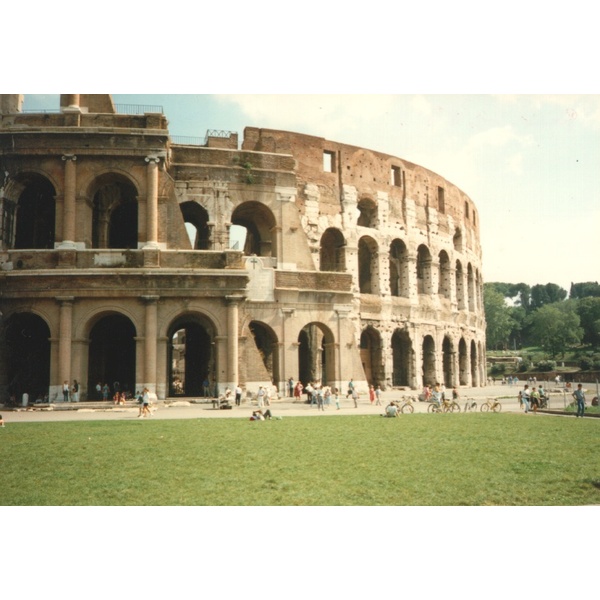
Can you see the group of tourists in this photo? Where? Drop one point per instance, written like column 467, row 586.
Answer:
column 70, row 392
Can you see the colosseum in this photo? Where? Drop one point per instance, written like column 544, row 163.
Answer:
column 128, row 255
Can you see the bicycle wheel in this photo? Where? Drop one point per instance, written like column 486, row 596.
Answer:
column 473, row 406
column 407, row 408
column 432, row 408
column 485, row 407
column 497, row 407
column 454, row 407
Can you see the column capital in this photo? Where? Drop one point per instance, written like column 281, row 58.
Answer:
column 150, row 299
column 65, row 299
column 235, row 299
column 69, row 157
column 152, row 158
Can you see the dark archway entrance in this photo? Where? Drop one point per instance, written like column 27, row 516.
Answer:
column 315, row 354
column 191, row 357
column 371, row 356
column 36, row 215
column 27, row 356
column 402, row 358
column 112, row 354
column 463, row 365
column 448, row 363
column 429, row 377
column 266, row 344
column 196, row 220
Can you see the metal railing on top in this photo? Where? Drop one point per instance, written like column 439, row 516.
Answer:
column 138, row 109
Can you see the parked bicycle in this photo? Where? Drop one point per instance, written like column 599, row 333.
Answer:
column 445, row 406
column 407, row 405
column 493, row 405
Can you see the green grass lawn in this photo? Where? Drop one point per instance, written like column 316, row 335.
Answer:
column 474, row 459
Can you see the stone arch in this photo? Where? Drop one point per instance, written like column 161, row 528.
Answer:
column 371, row 356
column 444, row 281
column 316, row 356
column 368, row 270
column 428, row 358
column 332, row 251
column 196, row 219
column 460, row 286
column 399, row 269
column 266, row 342
column 191, row 355
column 259, row 222
column 368, row 213
column 474, row 365
column 448, row 361
column 30, row 221
column 463, row 360
column 471, row 287
column 457, row 240
column 25, row 357
column 112, row 352
column 114, row 212
column 403, row 358
column 424, row 274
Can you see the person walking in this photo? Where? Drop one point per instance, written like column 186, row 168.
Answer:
column 378, row 396
column 371, row 394
column 66, row 391
column 336, row 393
column 355, row 397
column 75, row 391
column 579, row 396
column 525, row 394
column 238, row 395
column 291, row 387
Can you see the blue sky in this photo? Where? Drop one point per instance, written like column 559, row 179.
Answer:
column 529, row 162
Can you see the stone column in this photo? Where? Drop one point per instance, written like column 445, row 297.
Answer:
column 150, row 341
column 233, row 340
column 69, row 203
column 65, row 329
column 342, row 313
column 152, row 202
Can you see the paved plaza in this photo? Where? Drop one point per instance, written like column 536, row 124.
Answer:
column 284, row 407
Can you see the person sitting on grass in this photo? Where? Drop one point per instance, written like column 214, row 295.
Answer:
column 391, row 410
column 1, row 421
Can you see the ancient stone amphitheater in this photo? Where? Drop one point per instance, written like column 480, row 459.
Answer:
column 130, row 256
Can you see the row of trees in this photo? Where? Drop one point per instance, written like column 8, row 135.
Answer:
column 519, row 315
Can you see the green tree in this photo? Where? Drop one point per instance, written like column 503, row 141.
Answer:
column 588, row 310
column 497, row 314
column 556, row 326
column 546, row 294
column 585, row 289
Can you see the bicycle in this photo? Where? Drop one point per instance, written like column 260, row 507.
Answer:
column 470, row 406
column 492, row 405
column 446, row 406
column 407, row 405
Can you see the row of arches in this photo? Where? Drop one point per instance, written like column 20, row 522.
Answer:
column 191, row 357
column 29, row 217
column 333, row 258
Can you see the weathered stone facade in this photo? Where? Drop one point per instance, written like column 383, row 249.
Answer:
column 116, row 260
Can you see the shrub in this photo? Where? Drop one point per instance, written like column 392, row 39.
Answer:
column 546, row 365
column 498, row 369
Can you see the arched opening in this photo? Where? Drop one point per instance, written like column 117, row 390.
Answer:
column 371, row 356
column 429, row 373
column 474, row 365
column 195, row 218
column 444, row 282
column 423, row 270
column 115, row 213
column 265, row 341
column 332, row 253
column 112, row 354
column 463, row 366
column 316, row 361
column 471, row 287
column 368, row 272
column 448, row 361
column 403, row 358
column 26, row 356
column 457, row 240
column 368, row 213
column 399, row 269
column 191, row 357
column 259, row 223
column 460, row 286
column 35, row 214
